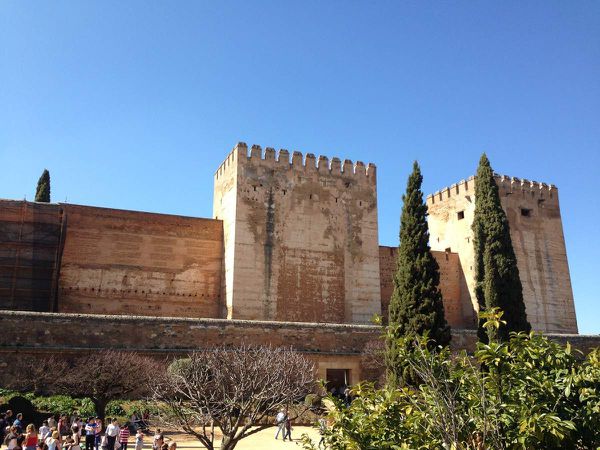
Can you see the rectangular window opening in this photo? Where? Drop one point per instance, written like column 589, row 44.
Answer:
column 460, row 215
column 525, row 212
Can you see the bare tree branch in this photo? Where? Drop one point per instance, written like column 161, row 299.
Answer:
column 232, row 389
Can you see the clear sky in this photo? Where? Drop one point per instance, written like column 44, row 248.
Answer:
column 135, row 104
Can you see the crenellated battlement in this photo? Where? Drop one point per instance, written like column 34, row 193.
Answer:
column 504, row 182
column 299, row 162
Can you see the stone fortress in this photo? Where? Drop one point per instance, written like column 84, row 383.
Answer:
column 290, row 257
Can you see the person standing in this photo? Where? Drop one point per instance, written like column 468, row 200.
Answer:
column 90, row 434
column 112, row 431
column 63, row 427
column 19, row 423
column 139, row 439
column 75, row 439
column 159, row 440
column 31, row 437
column 11, row 438
column 3, row 426
column 124, row 436
column 288, row 428
column 98, row 432
column 44, row 431
column 280, row 422
column 52, row 441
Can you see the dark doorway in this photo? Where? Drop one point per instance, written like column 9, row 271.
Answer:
column 338, row 379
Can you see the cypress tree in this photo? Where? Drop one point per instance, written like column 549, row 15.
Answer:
column 42, row 193
column 416, row 306
column 497, row 281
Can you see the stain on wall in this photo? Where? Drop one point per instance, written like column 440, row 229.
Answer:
column 302, row 244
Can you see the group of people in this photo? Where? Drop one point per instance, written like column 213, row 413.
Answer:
column 284, row 425
column 62, row 433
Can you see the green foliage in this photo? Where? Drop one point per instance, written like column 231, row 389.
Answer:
column 525, row 393
column 179, row 366
column 416, row 306
column 42, row 193
column 64, row 404
column 497, row 281
column 114, row 409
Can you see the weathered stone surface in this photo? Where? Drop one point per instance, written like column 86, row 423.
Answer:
column 459, row 313
column 130, row 262
column 329, row 345
column 29, row 247
column 536, row 230
column 300, row 241
column 292, row 240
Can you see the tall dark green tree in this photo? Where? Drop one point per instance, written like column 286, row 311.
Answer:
column 42, row 193
column 497, row 281
column 416, row 306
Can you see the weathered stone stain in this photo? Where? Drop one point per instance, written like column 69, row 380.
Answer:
column 305, row 245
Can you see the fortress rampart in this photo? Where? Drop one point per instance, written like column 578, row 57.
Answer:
column 329, row 345
column 302, row 244
column 533, row 213
column 504, row 182
column 299, row 162
column 293, row 238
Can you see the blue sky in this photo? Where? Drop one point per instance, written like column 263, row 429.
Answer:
column 134, row 104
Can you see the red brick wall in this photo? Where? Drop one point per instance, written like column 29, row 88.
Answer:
column 458, row 314
column 129, row 262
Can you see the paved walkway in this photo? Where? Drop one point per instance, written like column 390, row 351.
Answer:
column 264, row 440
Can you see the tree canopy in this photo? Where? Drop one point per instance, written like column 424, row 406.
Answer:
column 42, row 193
column 497, row 281
column 416, row 307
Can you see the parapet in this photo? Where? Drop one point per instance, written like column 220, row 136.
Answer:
column 504, row 182
column 299, row 162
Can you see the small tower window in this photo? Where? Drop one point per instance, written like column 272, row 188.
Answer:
column 525, row 212
column 460, row 215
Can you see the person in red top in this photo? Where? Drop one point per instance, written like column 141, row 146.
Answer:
column 124, row 436
column 31, row 438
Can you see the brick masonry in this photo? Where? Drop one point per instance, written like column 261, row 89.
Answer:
column 459, row 311
column 329, row 345
column 130, row 262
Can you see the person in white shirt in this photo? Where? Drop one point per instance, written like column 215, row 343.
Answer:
column 44, row 431
column 280, row 421
column 112, row 431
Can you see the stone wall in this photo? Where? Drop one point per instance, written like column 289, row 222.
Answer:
column 328, row 345
column 130, row 262
column 459, row 313
column 536, row 230
column 337, row 346
column 301, row 239
column 29, row 248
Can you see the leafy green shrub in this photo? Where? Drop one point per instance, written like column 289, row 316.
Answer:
column 527, row 393
column 114, row 409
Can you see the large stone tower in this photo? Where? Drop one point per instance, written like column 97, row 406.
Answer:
column 536, row 230
column 300, row 237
